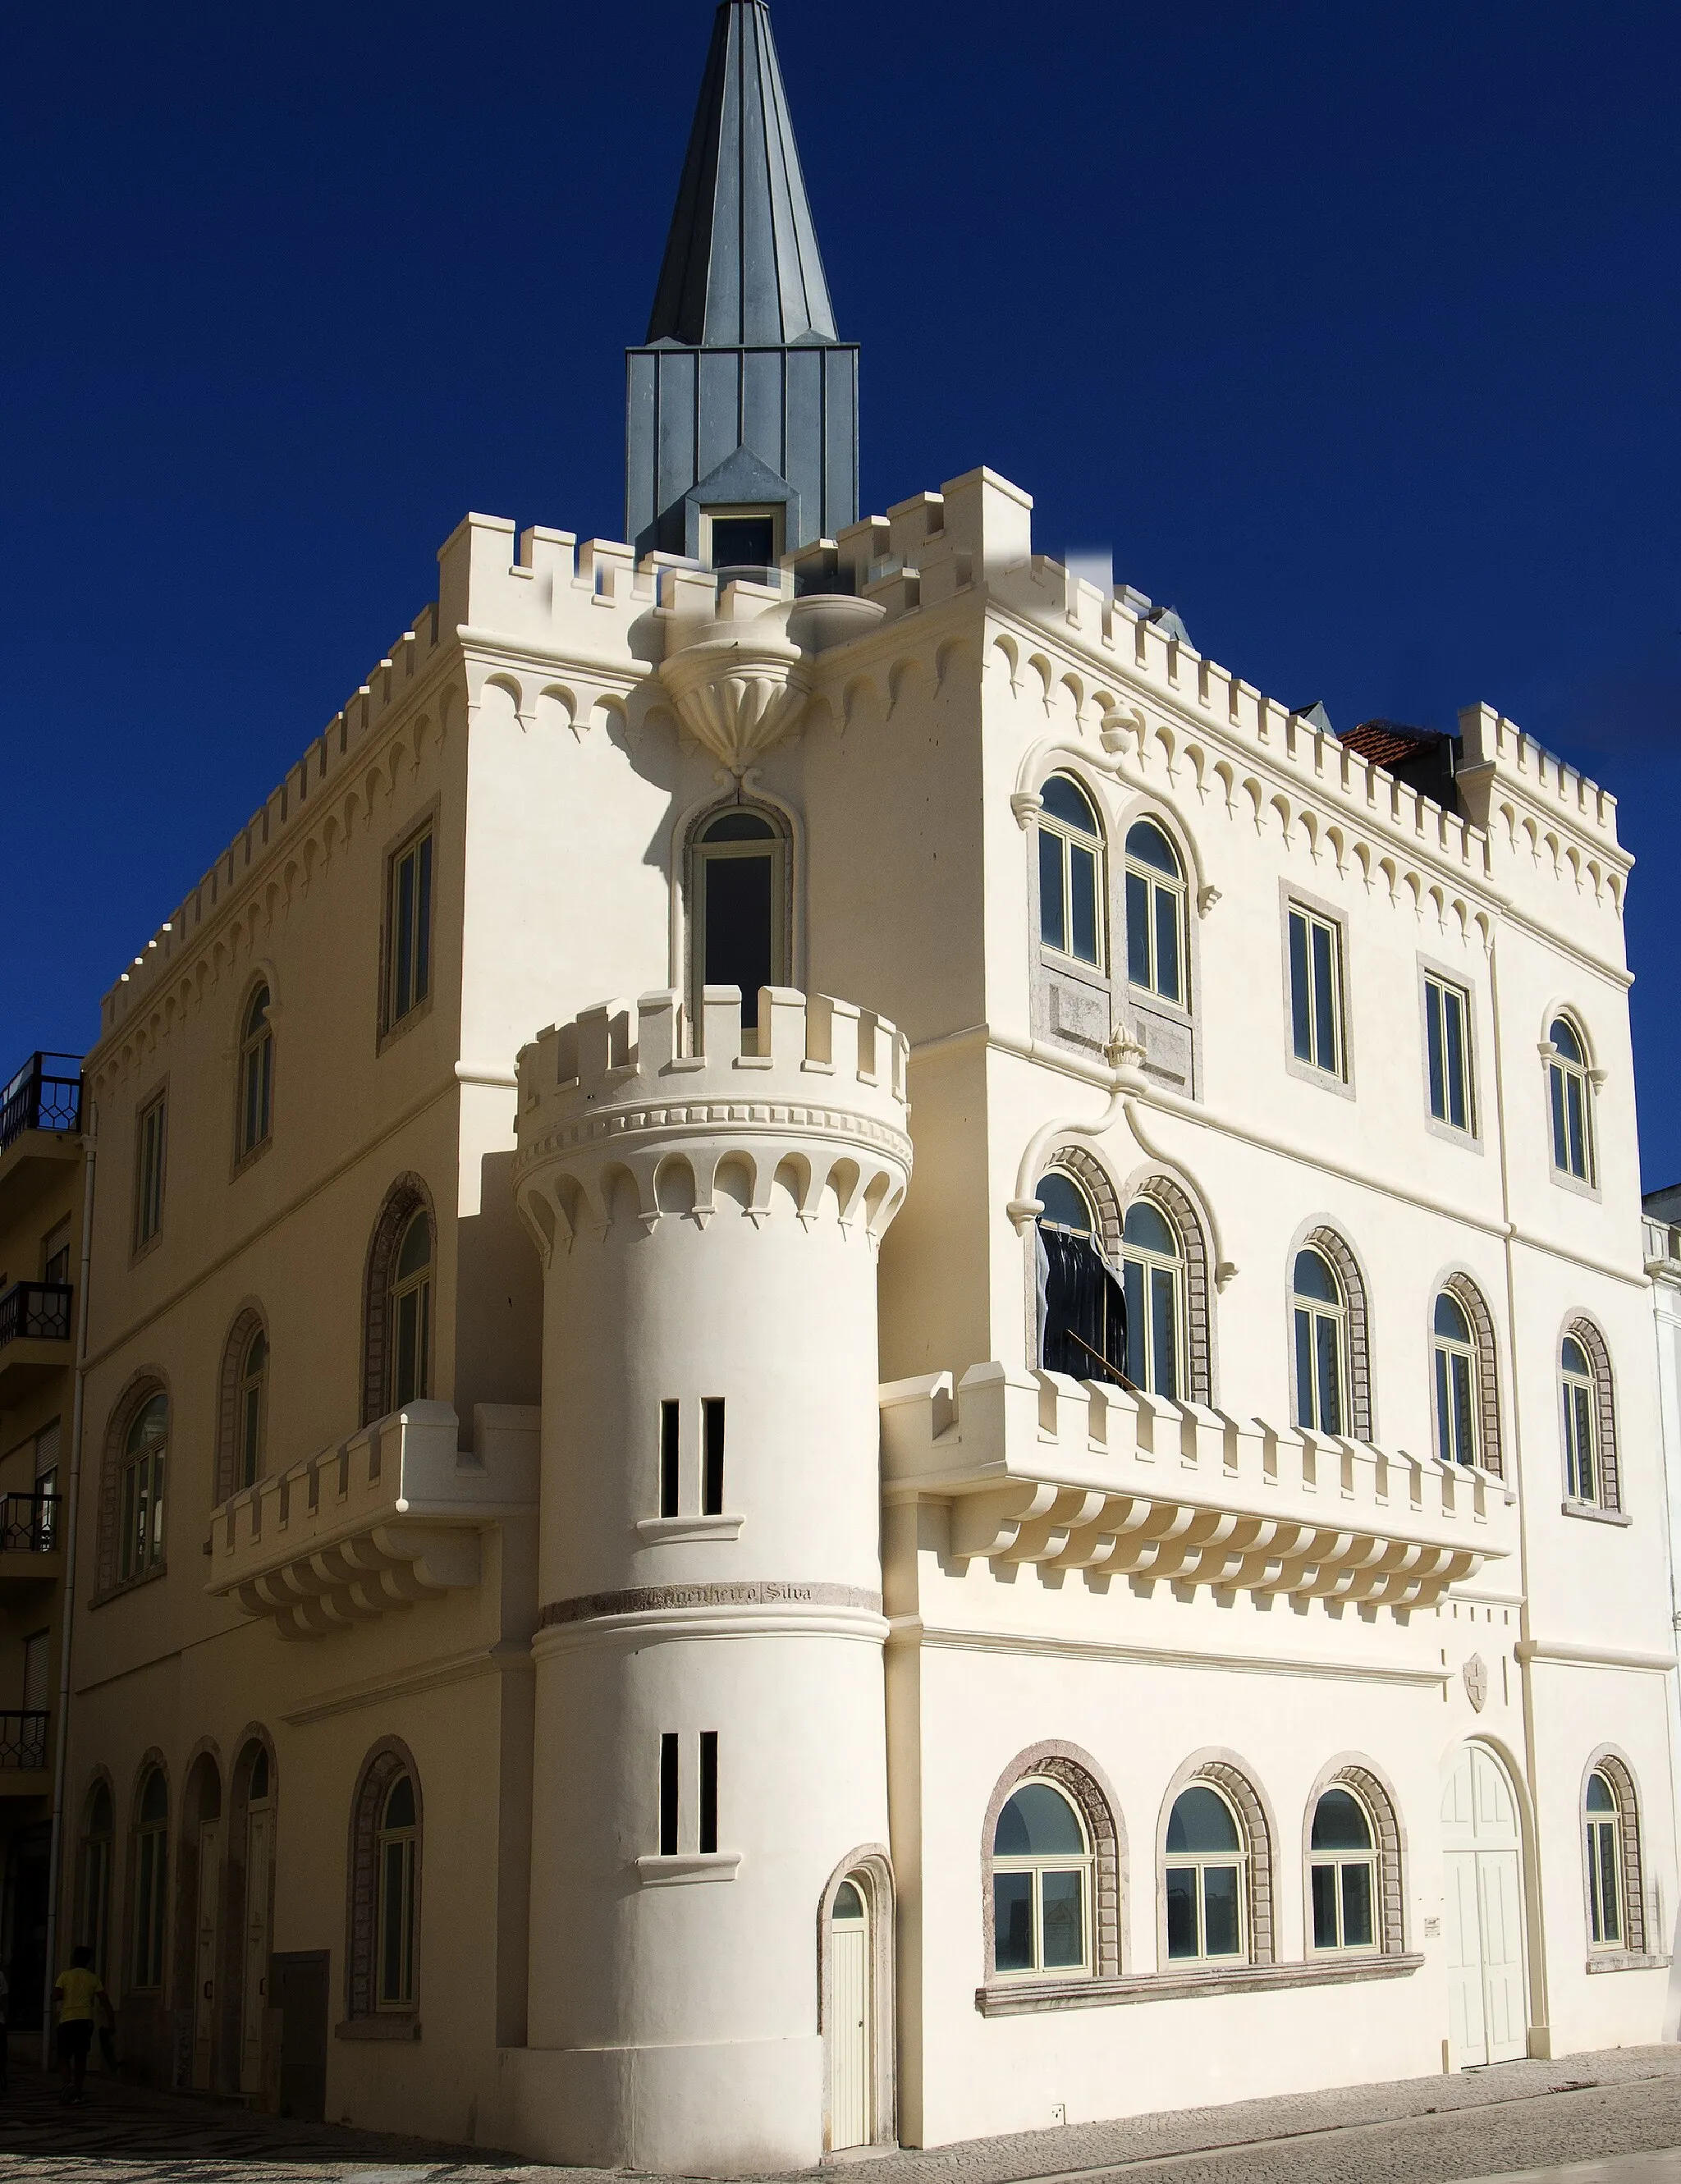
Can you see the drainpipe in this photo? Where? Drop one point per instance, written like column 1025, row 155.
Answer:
column 66, row 1607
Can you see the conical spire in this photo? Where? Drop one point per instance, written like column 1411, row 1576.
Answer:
column 741, row 267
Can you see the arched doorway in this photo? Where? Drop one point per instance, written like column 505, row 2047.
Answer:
column 251, row 1841
column 1483, row 1884
column 201, row 1902
column 858, row 2004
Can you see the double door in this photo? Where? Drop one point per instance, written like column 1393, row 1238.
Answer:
column 1483, row 1876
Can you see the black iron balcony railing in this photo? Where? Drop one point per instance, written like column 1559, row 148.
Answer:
column 23, row 1736
column 45, row 1095
column 29, row 1524
column 37, row 1311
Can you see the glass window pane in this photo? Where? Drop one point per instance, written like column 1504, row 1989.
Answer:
column 1163, row 1334
column 1147, row 1226
column 404, row 1388
column 1599, row 1799
column 1063, row 1202
column 1324, row 1881
column 1610, row 1894
column 1052, row 931
column 1181, row 1911
column 1324, row 998
column 403, row 935
column 1574, row 1355
column 1220, row 1922
column 1579, row 1147
column 1555, row 1085
column 1201, row 1820
column 1147, row 843
column 1339, row 1823
column 1565, row 1040
column 1082, row 897
column 1433, row 1041
column 391, row 1924
column 1454, row 1012
column 423, row 923
column 1314, row 1279
column 1013, row 1921
column 1038, row 1822
column 1167, row 943
column 1464, row 1438
column 1304, row 1411
column 1137, row 929
column 1357, row 1906
column 1062, row 1923
column 1065, row 800
column 738, row 949
column 1329, row 1376
column 1138, row 1367
column 1301, row 997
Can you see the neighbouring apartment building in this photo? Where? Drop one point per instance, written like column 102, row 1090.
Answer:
column 40, row 1240
column 866, row 1362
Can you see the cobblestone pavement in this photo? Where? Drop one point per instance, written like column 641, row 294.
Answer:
column 1612, row 2118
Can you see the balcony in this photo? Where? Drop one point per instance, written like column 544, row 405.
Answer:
column 36, row 1325
column 1080, row 1476
column 40, row 1128
column 23, row 1771
column 31, row 1550
column 392, row 1516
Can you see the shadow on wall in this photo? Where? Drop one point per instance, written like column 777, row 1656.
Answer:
column 498, row 1299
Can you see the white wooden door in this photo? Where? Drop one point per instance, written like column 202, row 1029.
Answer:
column 204, row 1958
column 1482, row 1878
column 254, row 1994
column 849, row 2063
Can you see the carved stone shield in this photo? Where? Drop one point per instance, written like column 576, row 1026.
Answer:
column 1475, row 1674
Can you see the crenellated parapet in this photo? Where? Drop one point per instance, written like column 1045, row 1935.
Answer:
column 625, row 1117
column 1081, row 1476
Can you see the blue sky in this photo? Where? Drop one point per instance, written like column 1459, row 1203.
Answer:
column 1353, row 330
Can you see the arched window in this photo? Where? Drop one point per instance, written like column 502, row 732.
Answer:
column 1153, row 1266
column 151, row 1878
column 1156, row 953
column 1042, row 1884
column 1071, row 872
column 1570, row 1096
column 1454, row 1351
column 398, row 1830
column 145, row 1453
column 1581, row 1438
column 739, row 905
column 382, row 1951
column 93, row 1897
column 1082, row 1319
column 1604, row 1822
column 254, row 1385
column 1322, row 1345
column 411, row 1309
column 256, row 1074
column 1204, row 1878
column 1343, row 1873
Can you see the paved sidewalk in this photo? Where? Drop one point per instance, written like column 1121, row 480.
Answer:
column 1618, row 2112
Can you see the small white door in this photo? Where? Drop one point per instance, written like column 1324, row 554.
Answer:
column 254, row 1994
column 1488, row 2014
column 849, row 2060
column 204, row 1960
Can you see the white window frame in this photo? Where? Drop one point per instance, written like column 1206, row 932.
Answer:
column 1094, row 844
column 1183, row 1861
column 1440, row 994
column 1579, row 1394
column 1444, row 1350
column 1084, row 1864
column 1337, row 1075
column 1371, row 1860
column 1563, row 1076
column 1153, row 882
column 1603, row 1832
column 1316, row 1309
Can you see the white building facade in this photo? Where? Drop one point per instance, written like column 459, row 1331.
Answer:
column 1079, row 1529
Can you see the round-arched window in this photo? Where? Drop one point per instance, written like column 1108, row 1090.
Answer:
column 256, row 1074
column 144, row 1461
column 1065, row 1205
column 1603, row 1821
column 151, row 1878
column 1071, row 872
column 1042, row 1867
column 254, row 1377
column 1570, row 1097
column 1321, row 1314
column 1581, row 1431
column 1082, row 1314
column 1343, row 1874
column 411, row 1304
column 738, row 875
column 1453, row 1353
column 1155, row 913
column 397, row 1833
column 1153, row 1265
column 1206, row 1861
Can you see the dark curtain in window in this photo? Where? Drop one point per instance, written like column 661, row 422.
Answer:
column 1078, row 1296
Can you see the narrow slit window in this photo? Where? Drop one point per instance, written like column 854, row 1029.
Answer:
column 712, row 1467
column 668, row 1794
column 668, row 1458
column 709, row 1789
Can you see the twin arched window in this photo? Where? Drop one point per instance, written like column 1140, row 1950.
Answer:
column 1073, row 892
column 256, row 1075
column 1569, row 1093
column 1093, row 1327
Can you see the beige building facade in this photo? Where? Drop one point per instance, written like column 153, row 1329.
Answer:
column 865, row 1363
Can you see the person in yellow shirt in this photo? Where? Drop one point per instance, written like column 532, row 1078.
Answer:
column 77, row 1993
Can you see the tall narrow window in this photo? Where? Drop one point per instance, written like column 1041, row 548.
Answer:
column 1604, row 1822
column 1204, row 1877
column 668, row 1422
column 93, row 1903
column 1316, row 991
column 712, row 1456
column 709, row 1789
column 148, row 1171
column 1581, row 1437
column 140, row 1496
column 151, row 1878
column 1152, row 1263
column 1071, row 872
column 1447, row 1041
column 1343, row 1874
column 1321, row 1314
column 256, row 1075
column 411, row 1305
column 739, row 905
column 671, row 1760
column 1569, row 1097
column 1454, row 1351
column 1083, row 1314
column 408, row 929
column 1155, row 913
column 395, row 1853
column 254, row 1378
column 1042, row 1869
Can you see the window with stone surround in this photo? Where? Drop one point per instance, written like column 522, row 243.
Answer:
column 382, row 1939
column 1592, row 1476
column 1051, row 1863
